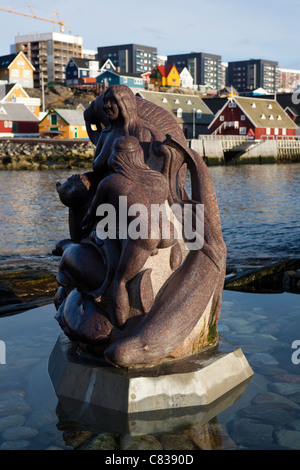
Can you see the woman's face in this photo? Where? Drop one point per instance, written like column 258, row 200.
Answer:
column 110, row 106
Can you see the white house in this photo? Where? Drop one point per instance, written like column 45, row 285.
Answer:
column 186, row 79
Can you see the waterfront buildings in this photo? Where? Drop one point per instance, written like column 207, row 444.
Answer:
column 63, row 123
column 206, row 69
column 252, row 117
column 17, row 120
column 129, row 58
column 49, row 53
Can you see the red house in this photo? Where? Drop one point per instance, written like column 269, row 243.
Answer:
column 15, row 118
column 254, row 117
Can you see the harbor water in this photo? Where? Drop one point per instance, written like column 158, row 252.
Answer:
column 260, row 214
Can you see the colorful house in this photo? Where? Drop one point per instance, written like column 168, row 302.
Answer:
column 63, row 123
column 257, row 118
column 16, row 119
column 78, row 70
column 15, row 93
column 132, row 80
column 165, row 75
column 16, row 68
column 186, row 79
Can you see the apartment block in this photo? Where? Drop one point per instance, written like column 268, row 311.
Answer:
column 248, row 75
column 289, row 80
column 206, row 69
column 129, row 58
column 49, row 53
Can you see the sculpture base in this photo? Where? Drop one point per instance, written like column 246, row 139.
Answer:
column 196, row 380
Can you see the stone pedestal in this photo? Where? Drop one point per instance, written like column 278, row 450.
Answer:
column 196, row 381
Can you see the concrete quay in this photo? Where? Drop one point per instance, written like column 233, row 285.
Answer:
column 217, row 150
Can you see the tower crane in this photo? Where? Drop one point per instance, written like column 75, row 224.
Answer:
column 33, row 15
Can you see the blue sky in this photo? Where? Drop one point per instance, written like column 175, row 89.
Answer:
column 234, row 29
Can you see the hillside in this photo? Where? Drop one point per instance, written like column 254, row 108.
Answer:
column 60, row 96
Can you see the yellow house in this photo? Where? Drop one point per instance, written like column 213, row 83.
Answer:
column 165, row 75
column 14, row 93
column 63, row 123
column 17, row 68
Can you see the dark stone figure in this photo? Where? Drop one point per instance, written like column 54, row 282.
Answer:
column 140, row 299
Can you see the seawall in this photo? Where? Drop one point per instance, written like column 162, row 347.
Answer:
column 44, row 154
column 240, row 151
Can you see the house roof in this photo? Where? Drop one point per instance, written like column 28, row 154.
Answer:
column 16, row 112
column 163, row 70
column 71, row 116
column 265, row 112
column 173, row 101
column 80, row 63
column 215, row 103
column 120, row 74
column 262, row 112
column 5, row 89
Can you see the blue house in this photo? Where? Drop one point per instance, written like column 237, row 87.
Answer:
column 108, row 78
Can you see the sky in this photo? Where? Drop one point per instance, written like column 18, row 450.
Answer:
column 233, row 29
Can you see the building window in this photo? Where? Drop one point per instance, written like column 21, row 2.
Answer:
column 232, row 105
column 198, row 114
column 253, row 105
column 243, row 130
column 15, row 73
column 243, row 117
column 284, row 131
column 53, row 119
column 262, row 116
column 179, row 112
column 268, row 131
column 222, row 118
column 276, row 131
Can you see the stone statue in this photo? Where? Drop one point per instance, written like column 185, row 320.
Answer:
column 129, row 290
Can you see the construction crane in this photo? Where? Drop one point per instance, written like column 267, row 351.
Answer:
column 33, row 15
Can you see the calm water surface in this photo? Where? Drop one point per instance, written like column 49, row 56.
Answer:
column 259, row 207
column 260, row 215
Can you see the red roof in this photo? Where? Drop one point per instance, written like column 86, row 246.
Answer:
column 164, row 70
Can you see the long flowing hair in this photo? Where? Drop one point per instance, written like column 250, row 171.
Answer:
column 129, row 161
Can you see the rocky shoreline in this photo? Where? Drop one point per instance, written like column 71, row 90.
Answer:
column 38, row 154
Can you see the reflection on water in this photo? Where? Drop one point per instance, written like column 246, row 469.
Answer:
column 260, row 215
column 260, row 211
column 265, row 416
column 32, row 217
column 259, row 207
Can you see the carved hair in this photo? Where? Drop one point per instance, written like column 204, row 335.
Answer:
column 128, row 158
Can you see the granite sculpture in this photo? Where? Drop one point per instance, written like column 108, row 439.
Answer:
column 132, row 297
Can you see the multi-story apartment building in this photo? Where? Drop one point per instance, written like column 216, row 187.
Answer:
column 289, row 80
column 129, row 58
column 248, row 75
column 49, row 53
column 206, row 69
